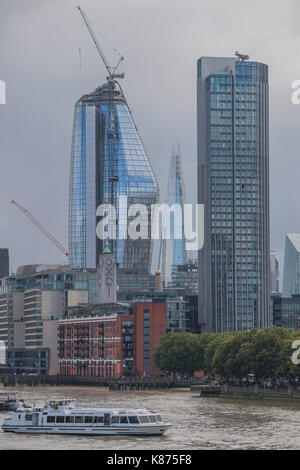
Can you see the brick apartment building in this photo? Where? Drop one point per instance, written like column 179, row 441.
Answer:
column 110, row 340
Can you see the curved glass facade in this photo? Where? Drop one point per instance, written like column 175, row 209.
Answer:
column 108, row 160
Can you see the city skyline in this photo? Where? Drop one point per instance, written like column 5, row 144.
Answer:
column 45, row 168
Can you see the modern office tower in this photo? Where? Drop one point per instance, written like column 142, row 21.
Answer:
column 274, row 272
column 173, row 248
column 4, row 262
column 184, row 279
column 291, row 270
column 134, row 281
column 108, row 161
column 233, row 185
column 286, row 311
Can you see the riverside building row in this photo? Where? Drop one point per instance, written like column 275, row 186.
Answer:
column 53, row 322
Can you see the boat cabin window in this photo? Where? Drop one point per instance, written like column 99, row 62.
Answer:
column 115, row 419
column 133, row 419
column 78, row 419
column 98, row 419
column 88, row 419
column 60, row 419
column 50, row 419
column 106, row 419
column 123, row 420
column 69, row 419
column 158, row 417
column 28, row 417
column 152, row 419
column 144, row 419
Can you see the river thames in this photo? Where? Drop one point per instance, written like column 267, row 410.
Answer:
column 198, row 423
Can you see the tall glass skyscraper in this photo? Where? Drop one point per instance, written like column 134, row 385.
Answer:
column 108, row 160
column 233, row 184
column 174, row 251
column 274, row 272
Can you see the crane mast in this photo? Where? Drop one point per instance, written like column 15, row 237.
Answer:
column 40, row 227
column 111, row 70
column 111, row 118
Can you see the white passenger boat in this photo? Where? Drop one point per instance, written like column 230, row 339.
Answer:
column 9, row 401
column 61, row 417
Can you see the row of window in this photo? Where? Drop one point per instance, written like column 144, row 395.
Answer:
column 99, row 419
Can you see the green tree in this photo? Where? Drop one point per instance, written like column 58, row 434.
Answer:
column 178, row 353
column 229, row 359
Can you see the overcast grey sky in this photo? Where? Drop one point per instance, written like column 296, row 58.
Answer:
column 161, row 41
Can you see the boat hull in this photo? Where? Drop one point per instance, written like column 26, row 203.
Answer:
column 91, row 431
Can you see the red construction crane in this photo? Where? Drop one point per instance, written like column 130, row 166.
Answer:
column 40, row 227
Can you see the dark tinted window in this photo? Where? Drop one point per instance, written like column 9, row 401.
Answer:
column 78, row 419
column 50, row 419
column 28, row 417
column 98, row 419
column 88, row 419
column 133, row 419
column 115, row 419
column 152, row 419
column 123, row 420
column 60, row 419
column 69, row 419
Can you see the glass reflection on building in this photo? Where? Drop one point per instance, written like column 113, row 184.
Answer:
column 108, row 160
column 174, row 251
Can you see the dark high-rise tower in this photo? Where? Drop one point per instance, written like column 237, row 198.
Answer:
column 4, row 262
column 233, row 184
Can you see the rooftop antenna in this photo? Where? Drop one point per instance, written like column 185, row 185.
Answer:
column 112, row 75
column 242, row 57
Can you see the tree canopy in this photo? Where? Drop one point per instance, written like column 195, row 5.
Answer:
column 263, row 353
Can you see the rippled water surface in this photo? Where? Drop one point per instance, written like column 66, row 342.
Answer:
column 198, row 423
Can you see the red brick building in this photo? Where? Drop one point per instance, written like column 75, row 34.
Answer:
column 150, row 327
column 110, row 340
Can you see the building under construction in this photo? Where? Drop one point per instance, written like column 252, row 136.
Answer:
column 108, row 160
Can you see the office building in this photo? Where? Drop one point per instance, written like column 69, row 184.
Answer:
column 30, row 306
column 108, row 160
column 181, row 310
column 291, row 270
column 184, row 279
column 233, row 185
column 4, row 262
column 286, row 311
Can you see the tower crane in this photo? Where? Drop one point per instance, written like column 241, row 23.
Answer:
column 40, row 227
column 111, row 118
column 112, row 75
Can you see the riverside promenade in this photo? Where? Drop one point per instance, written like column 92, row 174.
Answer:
column 249, row 391
column 121, row 383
